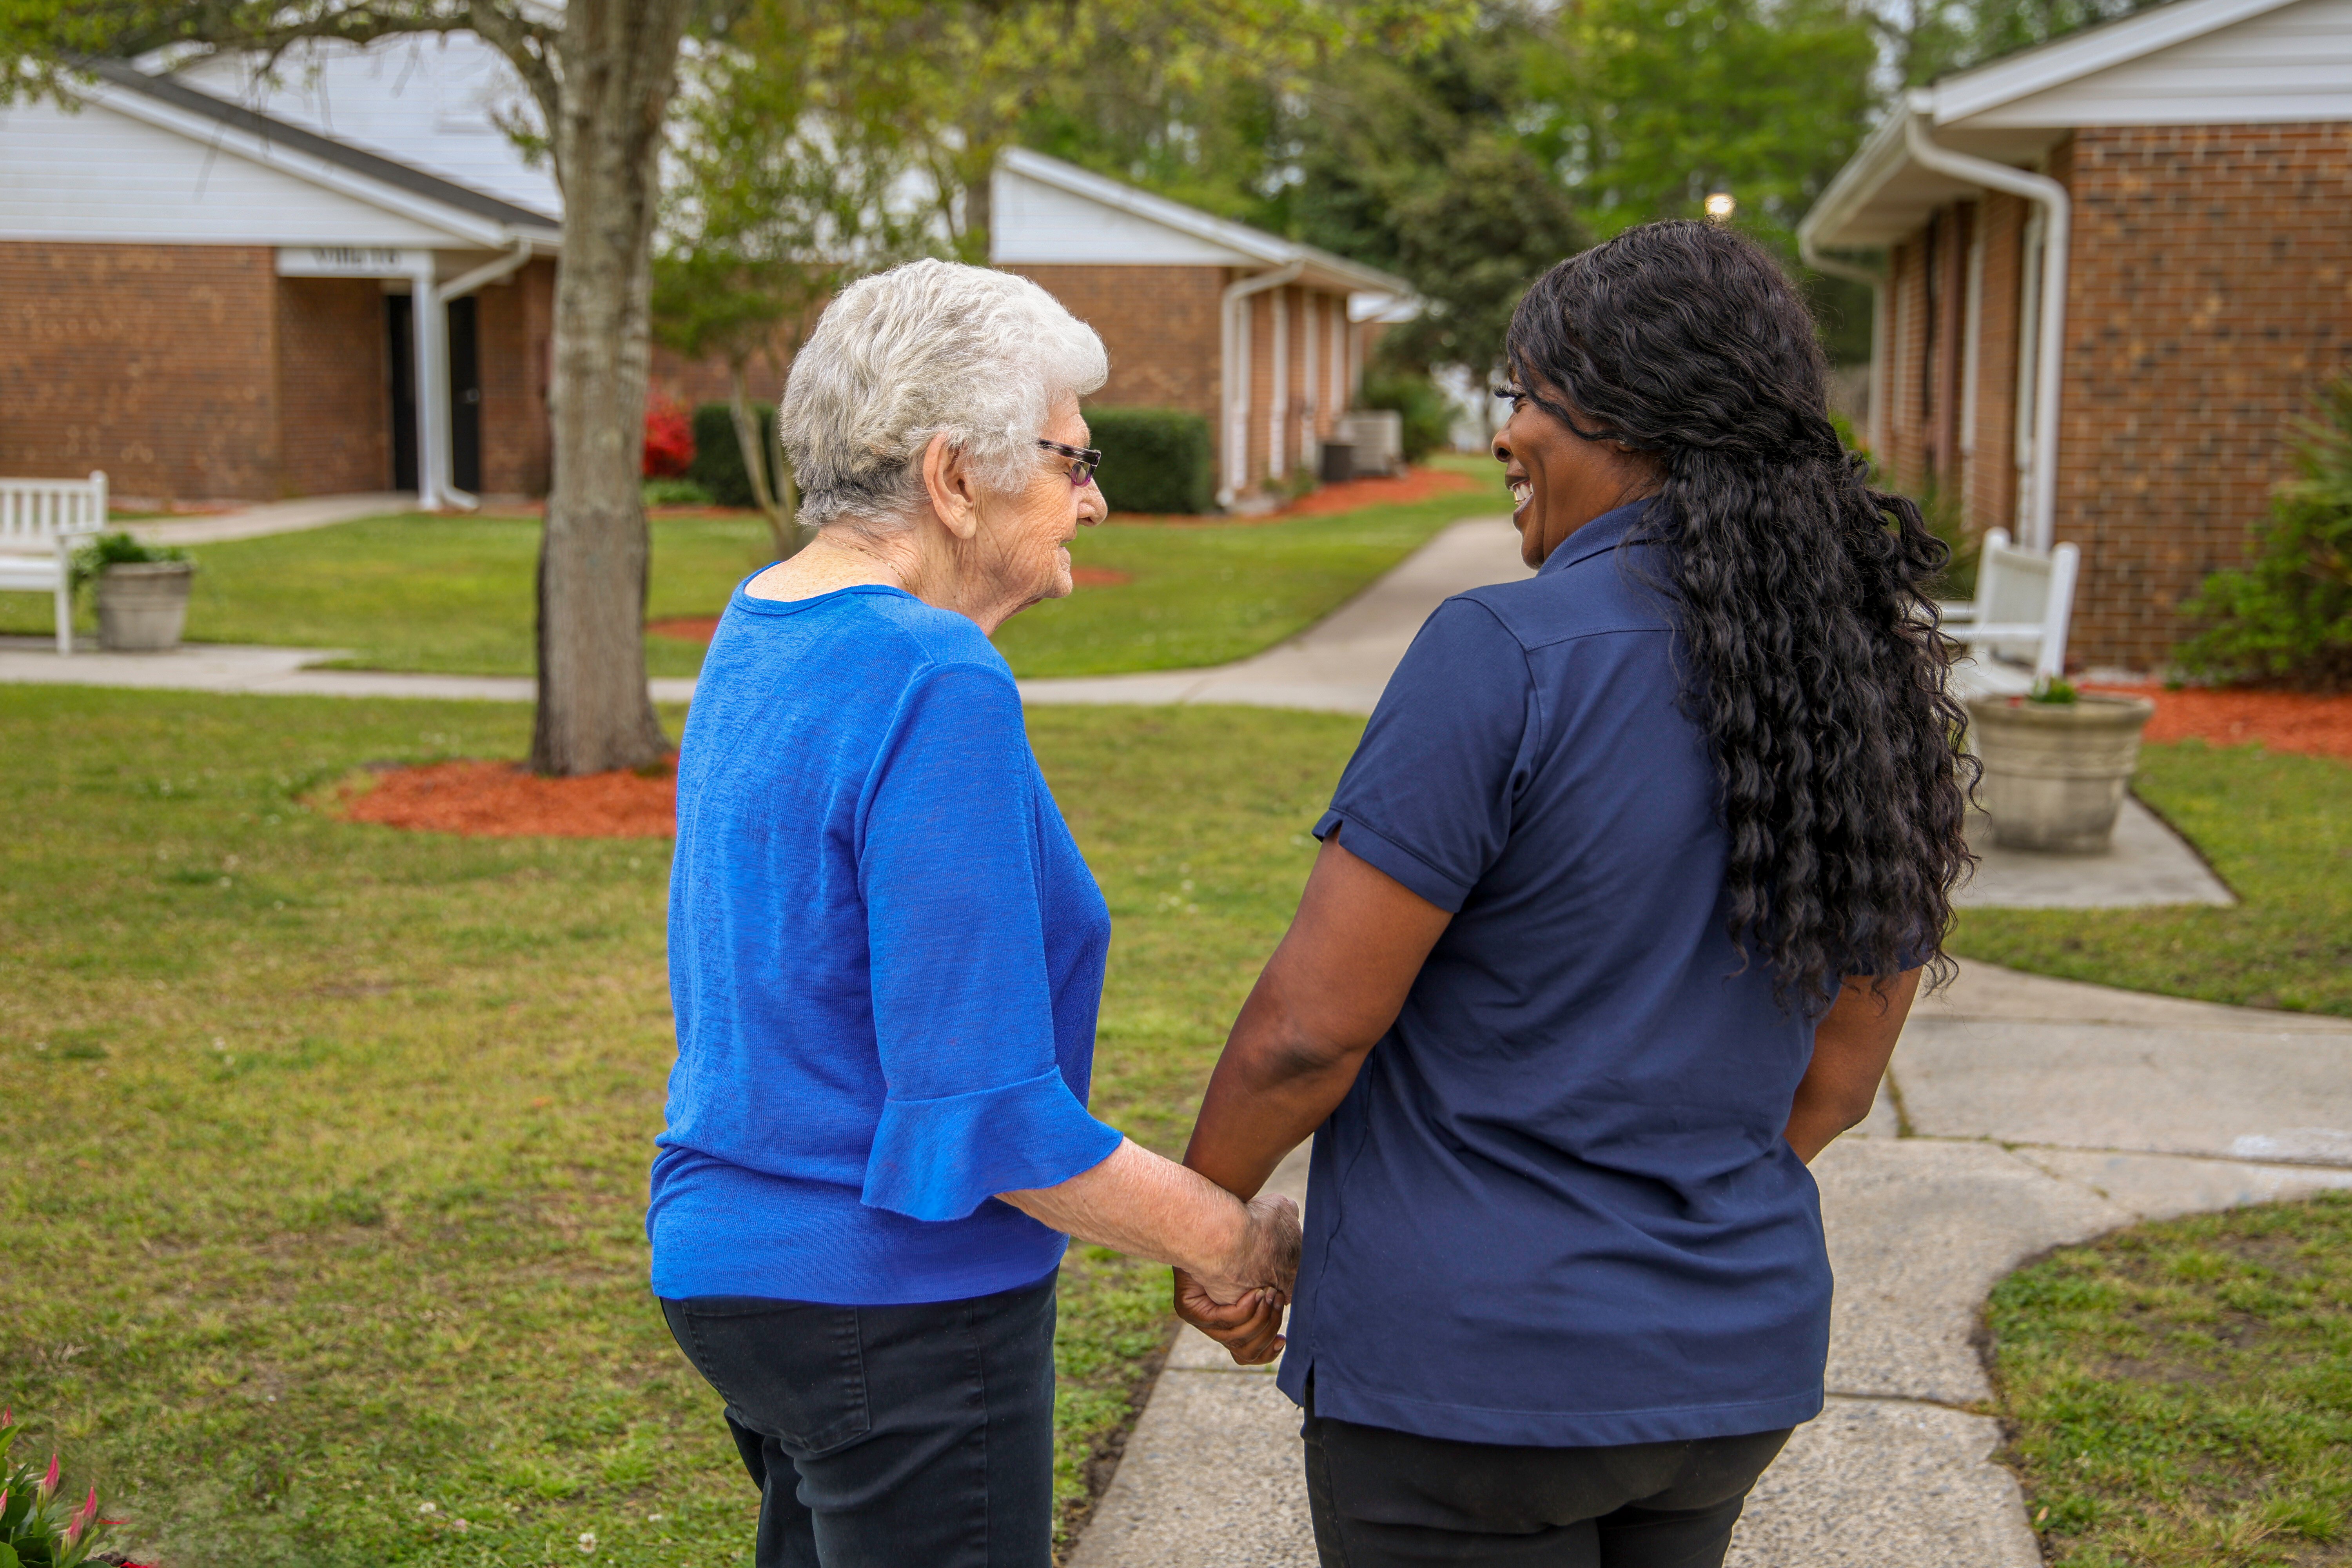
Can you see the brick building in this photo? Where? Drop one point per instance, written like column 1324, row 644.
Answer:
column 214, row 286
column 2116, row 269
column 1262, row 336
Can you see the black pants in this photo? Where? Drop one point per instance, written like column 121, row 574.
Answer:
column 889, row 1437
column 1387, row 1500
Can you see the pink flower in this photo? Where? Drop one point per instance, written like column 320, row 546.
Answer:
column 82, row 1515
column 50, row 1481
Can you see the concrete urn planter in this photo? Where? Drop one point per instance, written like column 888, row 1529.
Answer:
column 2055, row 773
column 141, row 606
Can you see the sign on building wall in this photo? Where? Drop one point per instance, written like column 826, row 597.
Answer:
column 350, row 261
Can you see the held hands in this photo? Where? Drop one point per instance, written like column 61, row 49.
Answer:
column 1241, row 1307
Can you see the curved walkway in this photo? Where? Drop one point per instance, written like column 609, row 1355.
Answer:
column 2033, row 1113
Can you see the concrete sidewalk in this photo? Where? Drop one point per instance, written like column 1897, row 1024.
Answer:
column 273, row 517
column 2034, row 1113
column 264, row 671
column 1340, row 664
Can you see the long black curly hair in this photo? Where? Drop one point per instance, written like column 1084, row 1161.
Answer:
column 1805, row 636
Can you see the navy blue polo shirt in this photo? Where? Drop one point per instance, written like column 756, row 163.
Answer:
column 1556, row 1207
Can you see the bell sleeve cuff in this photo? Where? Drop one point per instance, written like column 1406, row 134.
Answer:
column 941, row 1159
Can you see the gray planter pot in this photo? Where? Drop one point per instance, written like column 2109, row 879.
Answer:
column 141, row 606
column 2055, row 773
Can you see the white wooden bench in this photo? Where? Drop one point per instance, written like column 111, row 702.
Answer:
column 2024, row 601
column 42, row 521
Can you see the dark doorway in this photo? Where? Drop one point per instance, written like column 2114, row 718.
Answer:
column 465, row 397
column 400, row 329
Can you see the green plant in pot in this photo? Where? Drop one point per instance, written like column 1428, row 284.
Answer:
column 2056, row 763
column 143, row 594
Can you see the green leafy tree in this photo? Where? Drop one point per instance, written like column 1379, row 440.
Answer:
column 600, row 74
column 773, row 204
column 2286, row 616
column 1654, row 105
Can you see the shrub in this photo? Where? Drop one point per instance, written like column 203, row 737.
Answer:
column 2286, row 616
column 669, row 440
column 1428, row 413
column 90, row 562
column 1154, row 460
column 718, row 457
column 674, row 493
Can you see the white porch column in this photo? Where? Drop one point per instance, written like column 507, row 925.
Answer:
column 430, row 327
column 1310, row 404
column 1277, row 464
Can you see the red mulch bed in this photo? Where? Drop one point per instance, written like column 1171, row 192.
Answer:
column 2281, row 721
column 684, row 628
column 506, row 800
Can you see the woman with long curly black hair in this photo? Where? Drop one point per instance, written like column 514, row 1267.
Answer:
column 1621, row 905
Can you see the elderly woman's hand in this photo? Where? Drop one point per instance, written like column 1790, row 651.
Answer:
column 1266, row 1256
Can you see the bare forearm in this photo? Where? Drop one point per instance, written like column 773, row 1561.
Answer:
column 1150, row 1207
column 1852, row 1046
column 1263, row 1101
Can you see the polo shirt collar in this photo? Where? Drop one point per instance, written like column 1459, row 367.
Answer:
column 1606, row 532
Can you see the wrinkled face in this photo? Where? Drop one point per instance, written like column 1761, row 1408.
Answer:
column 1024, row 534
column 1560, row 481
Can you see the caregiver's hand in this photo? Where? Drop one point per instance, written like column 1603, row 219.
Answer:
column 1250, row 1329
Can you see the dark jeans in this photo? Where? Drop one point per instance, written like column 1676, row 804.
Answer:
column 1386, row 1500
column 889, row 1437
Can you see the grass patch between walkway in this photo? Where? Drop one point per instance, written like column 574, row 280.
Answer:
column 324, row 1196
column 453, row 595
column 2278, row 827
column 2181, row 1392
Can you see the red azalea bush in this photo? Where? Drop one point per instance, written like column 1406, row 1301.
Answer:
column 669, row 439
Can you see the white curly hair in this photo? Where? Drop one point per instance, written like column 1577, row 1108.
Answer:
column 926, row 349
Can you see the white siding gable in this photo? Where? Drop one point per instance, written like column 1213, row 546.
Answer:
column 1031, row 223
column 430, row 102
column 97, row 175
column 2293, row 64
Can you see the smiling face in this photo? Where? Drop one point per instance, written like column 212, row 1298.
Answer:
column 1560, row 481
column 1024, row 540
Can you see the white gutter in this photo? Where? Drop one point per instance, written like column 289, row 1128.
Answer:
column 2050, row 356
column 441, row 489
column 1830, row 267
column 1234, row 388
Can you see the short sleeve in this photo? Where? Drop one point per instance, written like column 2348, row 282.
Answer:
column 1427, row 797
column 951, row 867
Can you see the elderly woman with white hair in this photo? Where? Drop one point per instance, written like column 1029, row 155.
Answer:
column 886, row 958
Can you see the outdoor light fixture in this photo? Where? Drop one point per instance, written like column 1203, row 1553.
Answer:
column 1720, row 206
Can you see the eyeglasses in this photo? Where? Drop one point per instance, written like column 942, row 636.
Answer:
column 1084, row 461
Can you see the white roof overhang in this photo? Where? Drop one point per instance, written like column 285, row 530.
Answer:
column 1214, row 240
column 2008, row 112
column 284, row 154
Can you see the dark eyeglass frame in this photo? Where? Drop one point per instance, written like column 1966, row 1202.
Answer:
column 1086, row 459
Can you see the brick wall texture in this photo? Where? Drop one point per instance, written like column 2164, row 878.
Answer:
column 157, row 363
column 2208, row 296
column 515, row 332
column 336, row 427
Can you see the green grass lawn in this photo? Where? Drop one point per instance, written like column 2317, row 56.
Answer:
column 2278, row 827
column 323, row 1195
column 2180, row 1394
column 453, row 595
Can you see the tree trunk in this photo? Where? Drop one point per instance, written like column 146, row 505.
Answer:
column 618, row 65
column 748, row 441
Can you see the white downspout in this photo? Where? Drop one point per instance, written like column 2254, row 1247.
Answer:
column 2051, row 355
column 1830, row 267
column 1277, row 414
column 457, row 288
column 1235, row 382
